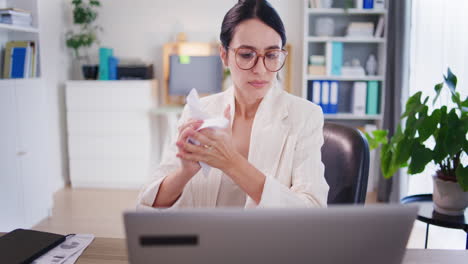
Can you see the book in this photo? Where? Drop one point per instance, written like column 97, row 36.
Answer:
column 380, row 27
column 359, row 98
column 372, row 98
column 379, row 4
column 334, row 90
column 104, row 54
column 113, row 63
column 15, row 20
column 24, row 246
column 7, row 59
column 18, row 61
column 14, row 10
column 33, row 68
column 317, row 90
column 368, row 4
column 325, row 97
column 310, row 90
column 337, row 58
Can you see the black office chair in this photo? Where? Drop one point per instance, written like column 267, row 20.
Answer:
column 345, row 154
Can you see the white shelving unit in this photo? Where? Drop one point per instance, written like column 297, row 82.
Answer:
column 354, row 47
column 25, row 196
column 14, row 28
column 342, row 11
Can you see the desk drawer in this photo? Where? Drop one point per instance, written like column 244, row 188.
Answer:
column 111, row 95
column 109, row 147
column 108, row 123
column 108, row 173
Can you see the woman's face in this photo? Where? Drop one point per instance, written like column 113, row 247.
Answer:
column 256, row 35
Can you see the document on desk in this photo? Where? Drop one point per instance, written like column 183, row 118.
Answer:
column 68, row 251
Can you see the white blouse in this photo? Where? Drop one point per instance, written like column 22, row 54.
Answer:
column 285, row 145
column 230, row 194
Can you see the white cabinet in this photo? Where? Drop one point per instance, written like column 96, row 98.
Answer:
column 109, row 135
column 25, row 194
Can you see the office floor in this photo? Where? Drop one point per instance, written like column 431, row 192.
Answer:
column 99, row 212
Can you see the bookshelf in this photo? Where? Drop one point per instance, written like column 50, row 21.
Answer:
column 353, row 47
column 342, row 11
column 18, row 32
column 14, row 28
column 358, row 46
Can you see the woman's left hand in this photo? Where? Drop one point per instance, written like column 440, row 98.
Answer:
column 216, row 147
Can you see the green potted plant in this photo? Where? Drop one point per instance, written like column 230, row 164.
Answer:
column 85, row 35
column 446, row 130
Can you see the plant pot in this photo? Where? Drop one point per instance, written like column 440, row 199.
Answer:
column 448, row 197
column 90, row 72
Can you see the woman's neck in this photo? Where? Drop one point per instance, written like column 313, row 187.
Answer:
column 246, row 107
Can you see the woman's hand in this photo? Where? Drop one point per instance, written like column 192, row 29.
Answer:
column 216, row 147
column 189, row 167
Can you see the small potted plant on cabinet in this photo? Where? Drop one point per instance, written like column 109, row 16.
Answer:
column 81, row 39
column 446, row 131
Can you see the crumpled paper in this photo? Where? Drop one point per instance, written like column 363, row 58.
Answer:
column 196, row 112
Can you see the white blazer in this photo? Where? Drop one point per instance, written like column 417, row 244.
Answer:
column 285, row 145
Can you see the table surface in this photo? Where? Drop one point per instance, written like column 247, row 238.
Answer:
column 114, row 251
column 428, row 215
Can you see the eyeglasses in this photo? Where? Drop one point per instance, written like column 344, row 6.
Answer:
column 247, row 58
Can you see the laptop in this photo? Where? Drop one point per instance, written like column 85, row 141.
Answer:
column 341, row 234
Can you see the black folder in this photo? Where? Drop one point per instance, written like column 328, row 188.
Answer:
column 24, row 246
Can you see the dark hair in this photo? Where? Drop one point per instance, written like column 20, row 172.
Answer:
column 248, row 9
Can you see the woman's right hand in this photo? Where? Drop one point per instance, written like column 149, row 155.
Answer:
column 189, row 168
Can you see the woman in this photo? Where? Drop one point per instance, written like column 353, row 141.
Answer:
column 269, row 156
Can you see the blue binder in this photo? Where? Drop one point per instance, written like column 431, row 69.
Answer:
column 18, row 59
column 368, row 4
column 316, row 93
column 113, row 63
column 333, row 101
column 325, row 97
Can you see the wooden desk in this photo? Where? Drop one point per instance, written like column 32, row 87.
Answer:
column 113, row 250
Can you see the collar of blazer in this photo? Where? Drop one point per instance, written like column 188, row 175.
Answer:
column 269, row 131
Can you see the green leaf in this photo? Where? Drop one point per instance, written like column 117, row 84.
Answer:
column 412, row 105
column 462, row 176
column 457, row 133
column 456, row 99
column 410, row 129
column 403, row 152
column 437, row 88
column 380, row 135
column 429, row 125
column 385, row 160
column 420, row 157
column 465, row 103
column 451, row 80
column 398, row 136
column 373, row 144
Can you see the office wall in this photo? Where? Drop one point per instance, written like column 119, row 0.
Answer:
column 138, row 29
column 54, row 71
